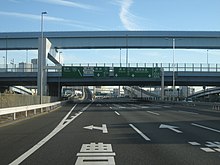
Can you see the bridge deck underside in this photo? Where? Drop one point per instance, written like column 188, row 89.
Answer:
column 181, row 79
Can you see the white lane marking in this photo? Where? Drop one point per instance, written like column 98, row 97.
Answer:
column 59, row 127
column 213, row 144
column 173, row 128
column 154, row 113
column 103, row 128
column 140, row 133
column 201, row 126
column 194, row 143
column 207, row 149
column 217, row 149
column 143, row 107
column 117, row 113
column 193, row 113
column 118, row 106
column 166, row 106
column 96, row 160
column 96, row 153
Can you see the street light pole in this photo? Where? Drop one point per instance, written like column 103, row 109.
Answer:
column 6, row 54
column 126, row 50
column 174, row 44
column 207, row 56
column 41, row 59
column 59, row 56
column 26, row 56
column 4, row 61
column 120, row 57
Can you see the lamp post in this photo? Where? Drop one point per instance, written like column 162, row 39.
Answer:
column 26, row 56
column 6, row 54
column 207, row 56
column 120, row 57
column 173, row 76
column 4, row 61
column 126, row 50
column 41, row 59
column 174, row 45
column 59, row 56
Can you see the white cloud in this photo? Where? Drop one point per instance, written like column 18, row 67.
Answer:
column 126, row 17
column 52, row 19
column 14, row 1
column 34, row 16
column 15, row 14
column 68, row 4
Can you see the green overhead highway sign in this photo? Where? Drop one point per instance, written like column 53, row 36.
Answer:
column 72, row 72
column 101, row 72
column 137, row 72
column 104, row 72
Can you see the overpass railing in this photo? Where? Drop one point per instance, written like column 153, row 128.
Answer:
column 183, row 67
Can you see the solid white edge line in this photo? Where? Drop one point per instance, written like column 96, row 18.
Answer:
column 201, row 126
column 139, row 132
column 117, row 113
column 59, row 127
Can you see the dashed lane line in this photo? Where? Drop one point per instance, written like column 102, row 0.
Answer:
column 117, row 113
column 154, row 113
column 139, row 132
column 201, row 126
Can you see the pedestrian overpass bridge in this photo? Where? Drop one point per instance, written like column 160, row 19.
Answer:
column 185, row 75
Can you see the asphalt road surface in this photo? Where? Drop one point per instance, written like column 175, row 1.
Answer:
column 120, row 132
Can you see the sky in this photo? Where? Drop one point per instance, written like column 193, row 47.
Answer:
column 113, row 15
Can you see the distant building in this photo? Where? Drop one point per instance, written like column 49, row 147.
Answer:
column 25, row 67
column 34, row 64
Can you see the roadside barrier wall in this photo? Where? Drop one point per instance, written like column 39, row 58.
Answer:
column 15, row 100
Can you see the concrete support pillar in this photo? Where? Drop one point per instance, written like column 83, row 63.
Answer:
column 162, row 84
column 54, row 90
column 43, row 50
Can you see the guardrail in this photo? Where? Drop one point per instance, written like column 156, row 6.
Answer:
column 184, row 67
column 216, row 107
column 34, row 108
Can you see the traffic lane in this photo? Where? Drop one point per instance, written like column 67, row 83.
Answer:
column 169, row 113
column 172, row 150
column 170, row 116
column 18, row 138
column 185, row 114
column 130, row 148
column 122, row 134
column 65, row 145
column 191, row 146
column 170, row 138
column 199, row 110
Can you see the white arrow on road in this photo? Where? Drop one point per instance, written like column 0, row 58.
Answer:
column 103, row 128
column 173, row 128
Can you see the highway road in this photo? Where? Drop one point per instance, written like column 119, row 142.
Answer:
column 119, row 131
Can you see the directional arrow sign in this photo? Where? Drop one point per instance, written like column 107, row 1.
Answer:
column 103, row 128
column 173, row 128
